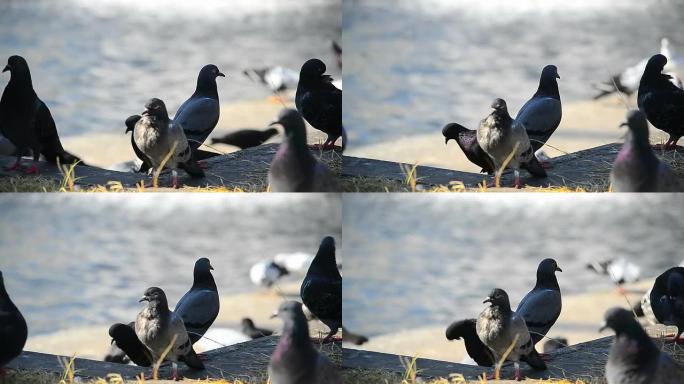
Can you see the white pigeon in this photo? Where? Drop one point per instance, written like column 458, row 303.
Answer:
column 297, row 262
column 620, row 270
column 275, row 78
column 266, row 272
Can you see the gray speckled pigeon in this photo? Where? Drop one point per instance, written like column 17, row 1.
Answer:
column 199, row 307
column 13, row 330
column 636, row 168
column 321, row 289
column 662, row 101
column 294, row 360
column 26, row 121
column 542, row 305
column 294, row 169
column 199, row 114
column 498, row 135
column 498, row 326
column 542, row 114
column 156, row 326
column 634, row 358
column 155, row 135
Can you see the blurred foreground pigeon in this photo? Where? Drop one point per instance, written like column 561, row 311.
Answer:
column 636, row 168
column 294, row 168
column 26, row 121
column 156, row 326
column 159, row 139
column 542, row 305
column 124, row 338
column 199, row 114
column 353, row 338
column 498, row 327
column 662, row 101
column 251, row 330
column 13, row 330
column 321, row 290
column 542, row 114
column 319, row 101
column 266, row 273
column 627, row 81
column 294, row 360
column 555, row 344
column 199, row 307
column 664, row 303
column 634, row 358
column 476, row 349
column 276, row 78
column 246, row 138
column 502, row 139
column 467, row 141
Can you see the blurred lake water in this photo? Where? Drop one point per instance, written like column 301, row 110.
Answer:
column 411, row 66
column 418, row 260
column 94, row 63
column 72, row 261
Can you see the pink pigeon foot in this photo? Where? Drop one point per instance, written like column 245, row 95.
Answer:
column 32, row 170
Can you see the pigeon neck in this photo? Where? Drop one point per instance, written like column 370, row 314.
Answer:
column 639, row 140
column 548, row 87
column 204, row 279
column 504, row 309
column 503, row 118
column 5, row 301
column 297, row 137
column 158, row 308
column 296, row 330
column 21, row 82
column 623, row 346
column 326, row 265
column 547, row 280
column 206, row 88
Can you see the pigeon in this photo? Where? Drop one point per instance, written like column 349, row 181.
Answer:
column 26, row 121
column 636, row 168
column 555, row 344
column 321, row 290
column 124, row 338
column 467, row 141
column 246, row 138
column 199, row 114
column 146, row 164
column 466, row 329
column 541, row 114
column 266, row 273
column 249, row 329
column 294, row 360
column 13, row 329
column 634, row 358
column 541, row 306
column 498, row 326
column 664, row 303
column 294, row 169
column 156, row 326
column 155, row 135
column 353, row 338
column 277, row 79
column 319, row 101
column 298, row 262
column 199, row 307
column 627, row 81
column 661, row 101
column 116, row 354
column 619, row 270
column 499, row 136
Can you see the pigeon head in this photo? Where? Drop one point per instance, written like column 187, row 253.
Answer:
column 499, row 105
column 313, row 68
column 498, row 298
column 293, row 124
column 247, row 323
column 155, row 297
column 451, row 131
column 131, row 121
column 119, row 331
column 203, row 265
column 202, row 274
column 655, row 64
column 290, row 312
column 546, row 274
column 156, row 108
column 622, row 322
column 675, row 285
column 209, row 72
column 548, row 87
column 638, row 128
column 206, row 81
column 18, row 67
column 324, row 262
column 550, row 72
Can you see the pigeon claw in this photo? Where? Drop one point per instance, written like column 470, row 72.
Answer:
column 32, row 170
column 546, row 164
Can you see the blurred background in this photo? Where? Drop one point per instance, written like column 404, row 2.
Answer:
column 414, row 264
column 74, row 265
column 96, row 63
column 414, row 65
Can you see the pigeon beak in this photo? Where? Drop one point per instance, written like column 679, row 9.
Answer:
column 220, row 74
column 144, row 298
column 446, row 140
column 7, row 68
column 557, row 76
column 623, row 125
column 558, row 269
column 603, row 327
column 211, row 268
column 487, row 300
column 275, row 122
column 274, row 315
